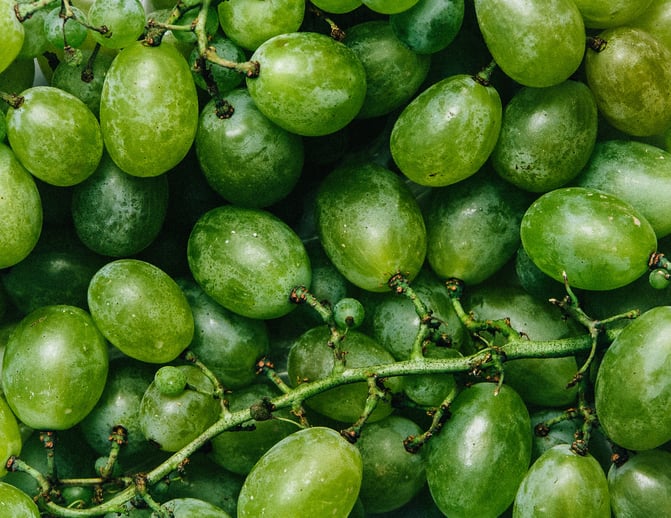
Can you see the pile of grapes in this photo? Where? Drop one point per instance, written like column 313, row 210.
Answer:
column 348, row 258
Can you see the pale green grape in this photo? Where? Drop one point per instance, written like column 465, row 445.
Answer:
column 12, row 34
column 124, row 19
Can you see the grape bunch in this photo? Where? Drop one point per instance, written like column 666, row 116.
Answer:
column 351, row 258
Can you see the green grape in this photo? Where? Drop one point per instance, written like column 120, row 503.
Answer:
column 348, row 313
column 600, row 241
column 15, row 503
column 631, row 392
column 61, row 32
column 116, row 214
column 394, row 73
column 57, row 273
column 247, row 158
column 393, row 321
column 249, row 23
column 229, row 344
column 639, row 487
column 238, row 451
column 21, row 209
column 191, row 18
column 389, row 6
column 172, row 421
column 539, row 382
column 655, row 20
column 16, row 78
column 602, row 14
column 446, row 112
column 547, row 136
column 430, row 25
column 430, row 390
column 626, row 75
column 248, row 260
column 534, row 281
column 579, row 485
column 392, row 476
column 337, row 6
column 11, row 435
column 140, row 310
column 70, row 142
column 534, row 44
column 192, row 508
column 659, row 279
column 70, row 382
column 144, row 88
column 312, row 472
column 225, row 79
column 480, row 476
column 12, row 32
column 309, row 83
column 35, row 41
column 204, row 479
column 124, row 20
column 473, row 227
column 119, row 405
column 75, row 78
column 645, row 184
column 370, row 225
column 170, row 381
column 310, row 358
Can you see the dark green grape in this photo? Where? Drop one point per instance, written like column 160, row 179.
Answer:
column 459, row 110
column 659, row 279
column 117, row 214
column 17, row 77
column 124, row 20
column 77, row 80
column 370, row 225
column 639, row 487
column 430, row 25
column 626, row 74
column 119, row 405
column 248, row 159
column 57, row 271
column 189, row 507
column 534, row 44
column 312, row 472
column 635, row 172
column 547, row 136
column 224, row 78
column 431, row 390
column 394, row 73
column 190, row 17
column 172, row 421
column 348, row 313
column 579, row 485
column 248, row 260
column 61, row 31
column 228, row 343
column 238, row 450
column 310, row 359
column 35, row 41
column 64, row 124
column 392, row 476
column 473, row 227
column 479, row 477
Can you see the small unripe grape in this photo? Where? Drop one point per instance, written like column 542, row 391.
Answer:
column 659, row 279
column 61, row 31
column 348, row 312
column 170, row 381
